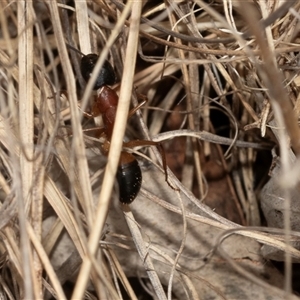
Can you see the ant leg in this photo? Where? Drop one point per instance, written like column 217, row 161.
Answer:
column 98, row 131
column 94, row 112
column 135, row 109
column 137, row 143
column 87, row 115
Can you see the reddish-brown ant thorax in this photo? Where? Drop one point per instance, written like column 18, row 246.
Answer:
column 106, row 98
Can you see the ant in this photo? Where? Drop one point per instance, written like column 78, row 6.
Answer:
column 129, row 174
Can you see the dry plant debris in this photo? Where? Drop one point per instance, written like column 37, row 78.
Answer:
column 221, row 79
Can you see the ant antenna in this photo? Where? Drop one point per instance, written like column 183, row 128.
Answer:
column 74, row 49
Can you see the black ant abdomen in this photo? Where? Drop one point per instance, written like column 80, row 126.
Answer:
column 106, row 75
column 129, row 177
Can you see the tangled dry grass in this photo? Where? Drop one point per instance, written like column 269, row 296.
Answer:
column 221, row 79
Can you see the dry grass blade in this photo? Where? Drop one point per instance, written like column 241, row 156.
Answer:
column 47, row 264
column 78, row 145
column 25, row 58
column 121, row 275
column 83, row 26
column 144, row 255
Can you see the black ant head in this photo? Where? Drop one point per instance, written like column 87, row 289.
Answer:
column 106, row 75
